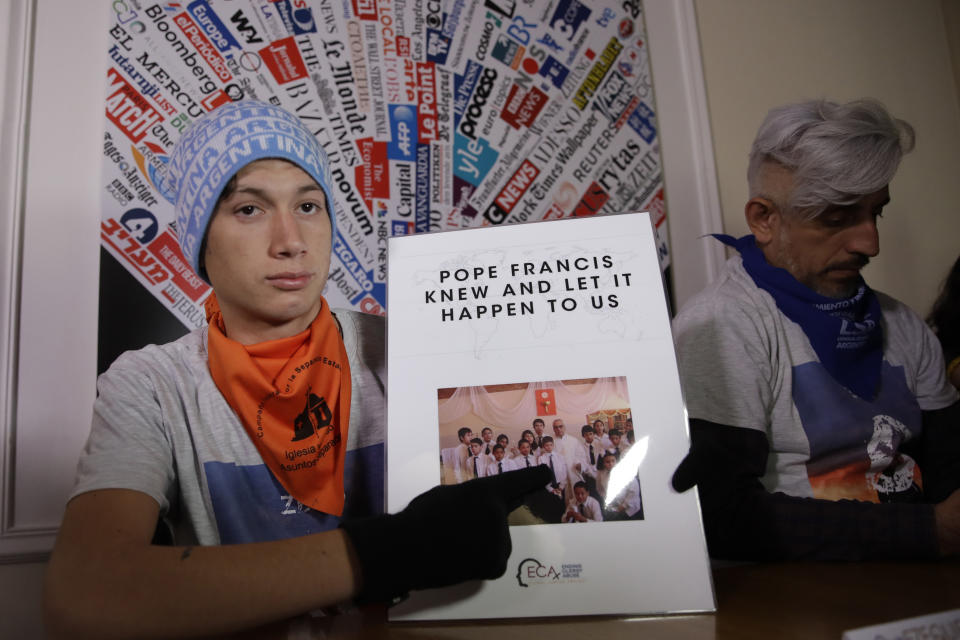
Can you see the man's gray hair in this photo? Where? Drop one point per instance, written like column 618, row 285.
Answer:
column 837, row 153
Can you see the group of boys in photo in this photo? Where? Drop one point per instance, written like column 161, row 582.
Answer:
column 579, row 490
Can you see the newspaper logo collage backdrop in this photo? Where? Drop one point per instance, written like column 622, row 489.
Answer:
column 436, row 115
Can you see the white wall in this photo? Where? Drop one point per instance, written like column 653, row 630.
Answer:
column 49, row 207
column 758, row 54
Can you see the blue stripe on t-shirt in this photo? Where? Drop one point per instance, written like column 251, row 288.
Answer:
column 251, row 506
column 836, row 420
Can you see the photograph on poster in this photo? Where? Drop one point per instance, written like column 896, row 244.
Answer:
column 582, row 429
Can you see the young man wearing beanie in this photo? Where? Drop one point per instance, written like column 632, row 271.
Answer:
column 234, row 477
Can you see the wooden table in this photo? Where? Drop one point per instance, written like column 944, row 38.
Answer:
column 757, row 601
column 824, row 600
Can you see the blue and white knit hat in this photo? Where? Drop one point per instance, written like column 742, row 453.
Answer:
column 220, row 143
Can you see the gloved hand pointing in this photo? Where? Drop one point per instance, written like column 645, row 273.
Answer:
column 446, row 535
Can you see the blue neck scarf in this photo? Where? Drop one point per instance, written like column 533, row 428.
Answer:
column 845, row 334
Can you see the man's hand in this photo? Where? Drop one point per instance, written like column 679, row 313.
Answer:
column 576, row 515
column 947, row 515
column 446, row 535
column 955, row 377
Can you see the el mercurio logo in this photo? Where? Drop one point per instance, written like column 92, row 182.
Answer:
column 531, row 571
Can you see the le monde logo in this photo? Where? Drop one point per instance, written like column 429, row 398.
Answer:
column 532, row 571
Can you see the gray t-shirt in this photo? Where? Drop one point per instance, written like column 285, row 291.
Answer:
column 744, row 364
column 161, row 427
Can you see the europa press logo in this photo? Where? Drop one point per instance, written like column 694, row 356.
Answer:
column 531, row 571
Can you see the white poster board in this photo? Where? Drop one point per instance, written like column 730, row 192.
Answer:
column 569, row 300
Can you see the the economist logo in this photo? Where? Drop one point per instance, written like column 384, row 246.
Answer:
column 372, row 176
column 284, row 61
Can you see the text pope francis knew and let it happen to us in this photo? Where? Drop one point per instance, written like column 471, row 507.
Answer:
column 556, row 285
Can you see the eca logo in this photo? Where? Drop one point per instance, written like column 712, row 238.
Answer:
column 532, row 570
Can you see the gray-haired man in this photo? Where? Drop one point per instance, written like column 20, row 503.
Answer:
column 814, row 401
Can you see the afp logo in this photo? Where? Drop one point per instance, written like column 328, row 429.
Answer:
column 403, row 130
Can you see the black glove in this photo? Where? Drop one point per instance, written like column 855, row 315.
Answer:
column 685, row 476
column 722, row 459
column 447, row 535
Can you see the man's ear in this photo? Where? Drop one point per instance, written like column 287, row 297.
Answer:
column 763, row 218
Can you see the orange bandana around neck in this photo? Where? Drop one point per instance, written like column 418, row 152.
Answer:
column 292, row 396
